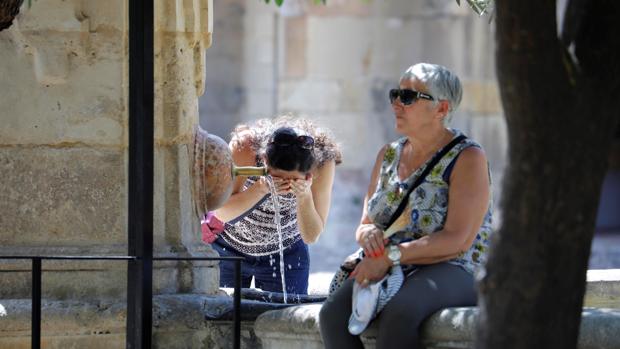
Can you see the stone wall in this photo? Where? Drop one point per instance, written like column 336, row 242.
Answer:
column 335, row 62
column 225, row 95
column 64, row 141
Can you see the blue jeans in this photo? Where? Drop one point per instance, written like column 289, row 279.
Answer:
column 266, row 269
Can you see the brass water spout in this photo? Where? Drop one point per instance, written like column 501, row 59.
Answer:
column 213, row 171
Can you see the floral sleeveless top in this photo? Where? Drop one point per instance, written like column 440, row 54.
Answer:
column 428, row 202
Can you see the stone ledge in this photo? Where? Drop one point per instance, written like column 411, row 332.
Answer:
column 453, row 327
column 448, row 328
column 201, row 321
column 179, row 321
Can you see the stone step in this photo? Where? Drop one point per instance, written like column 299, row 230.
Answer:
column 200, row 321
column 180, row 321
column 298, row 326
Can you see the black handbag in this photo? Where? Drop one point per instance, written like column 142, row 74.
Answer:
column 352, row 260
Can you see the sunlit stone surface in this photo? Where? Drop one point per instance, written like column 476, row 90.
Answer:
column 64, row 141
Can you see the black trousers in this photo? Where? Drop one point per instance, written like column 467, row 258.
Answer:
column 425, row 291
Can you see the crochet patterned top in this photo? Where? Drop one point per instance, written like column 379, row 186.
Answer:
column 428, row 202
column 255, row 233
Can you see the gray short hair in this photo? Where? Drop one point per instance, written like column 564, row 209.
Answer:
column 442, row 84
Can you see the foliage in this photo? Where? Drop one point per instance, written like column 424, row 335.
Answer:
column 280, row 2
column 481, row 7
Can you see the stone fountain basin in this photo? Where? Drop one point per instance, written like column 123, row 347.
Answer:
column 254, row 302
column 256, row 294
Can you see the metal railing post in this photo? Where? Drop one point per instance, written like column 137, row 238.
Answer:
column 140, row 173
column 132, row 327
column 36, row 303
column 237, row 305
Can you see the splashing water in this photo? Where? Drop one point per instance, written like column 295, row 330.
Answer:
column 276, row 209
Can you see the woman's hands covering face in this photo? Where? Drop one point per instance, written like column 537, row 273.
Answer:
column 283, row 185
column 297, row 186
column 301, row 187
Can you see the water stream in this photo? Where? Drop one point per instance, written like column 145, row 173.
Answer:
column 276, row 209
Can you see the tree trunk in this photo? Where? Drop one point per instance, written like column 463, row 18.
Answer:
column 8, row 10
column 561, row 110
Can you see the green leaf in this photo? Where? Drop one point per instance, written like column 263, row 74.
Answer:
column 266, row 1
column 479, row 6
column 279, row 2
column 458, row 2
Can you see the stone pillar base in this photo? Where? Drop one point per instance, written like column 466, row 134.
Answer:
column 179, row 322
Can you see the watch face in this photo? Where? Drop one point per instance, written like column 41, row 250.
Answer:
column 394, row 254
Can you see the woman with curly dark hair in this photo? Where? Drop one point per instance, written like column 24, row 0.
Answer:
column 301, row 160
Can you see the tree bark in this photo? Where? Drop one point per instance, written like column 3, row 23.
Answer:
column 8, row 11
column 560, row 99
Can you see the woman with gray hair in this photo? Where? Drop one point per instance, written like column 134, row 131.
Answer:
column 442, row 235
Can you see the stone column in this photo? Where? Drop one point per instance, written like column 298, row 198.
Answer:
column 182, row 34
column 64, row 140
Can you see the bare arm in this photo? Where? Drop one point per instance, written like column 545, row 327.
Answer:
column 313, row 207
column 369, row 237
column 367, row 229
column 242, row 200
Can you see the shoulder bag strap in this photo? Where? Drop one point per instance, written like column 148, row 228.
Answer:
column 422, row 176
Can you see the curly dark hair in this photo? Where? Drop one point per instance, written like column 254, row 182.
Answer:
column 257, row 135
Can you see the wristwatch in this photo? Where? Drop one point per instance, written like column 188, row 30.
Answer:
column 394, row 254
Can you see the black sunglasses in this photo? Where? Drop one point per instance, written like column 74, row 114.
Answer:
column 287, row 139
column 408, row 96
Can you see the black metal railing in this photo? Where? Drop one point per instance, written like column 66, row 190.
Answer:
column 36, row 287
